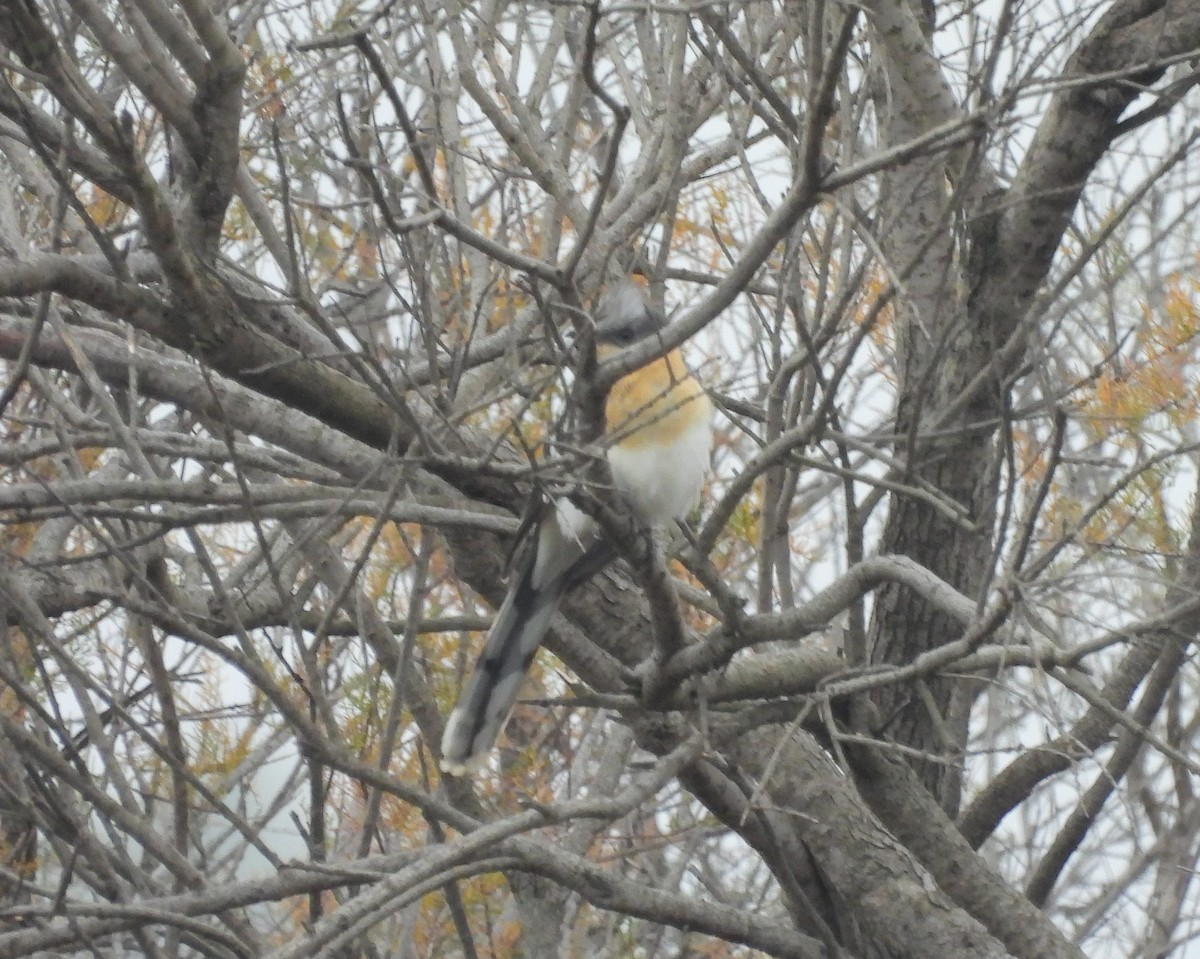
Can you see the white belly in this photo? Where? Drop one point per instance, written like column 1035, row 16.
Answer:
column 662, row 482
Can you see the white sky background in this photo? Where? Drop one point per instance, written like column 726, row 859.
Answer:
column 723, row 349
column 723, row 346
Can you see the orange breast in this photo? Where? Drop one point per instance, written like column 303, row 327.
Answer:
column 653, row 405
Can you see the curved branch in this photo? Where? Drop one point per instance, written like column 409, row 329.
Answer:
column 908, row 811
column 826, row 605
column 1165, row 640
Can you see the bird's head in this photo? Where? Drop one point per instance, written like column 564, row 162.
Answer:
column 624, row 318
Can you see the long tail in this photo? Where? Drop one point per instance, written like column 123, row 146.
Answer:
column 483, row 707
column 565, row 553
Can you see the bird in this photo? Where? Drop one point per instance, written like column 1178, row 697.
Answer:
column 658, row 434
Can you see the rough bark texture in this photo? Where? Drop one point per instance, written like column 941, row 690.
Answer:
column 957, row 348
column 321, row 507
